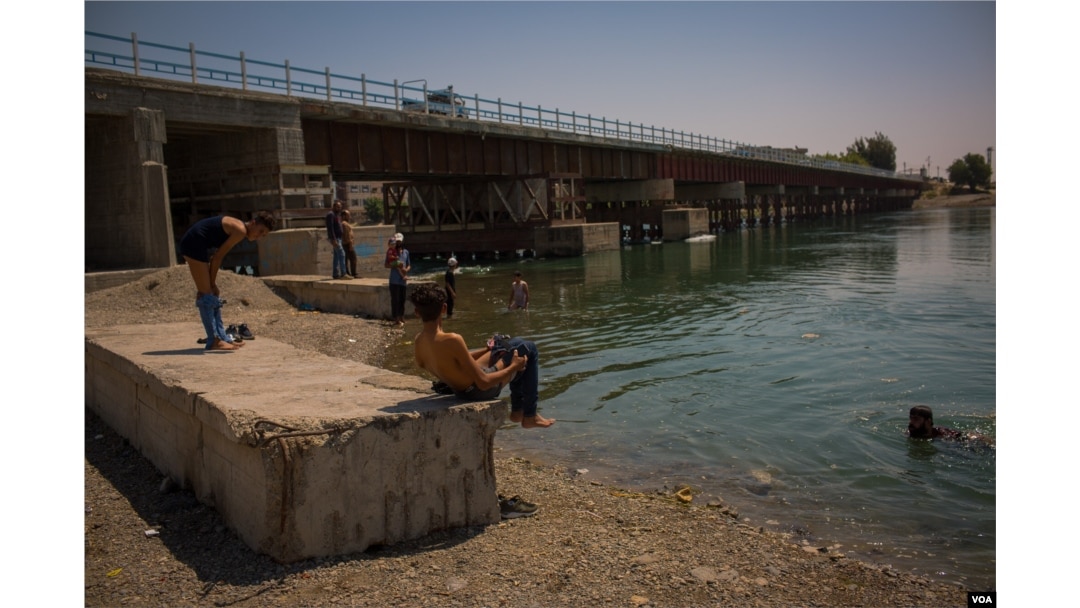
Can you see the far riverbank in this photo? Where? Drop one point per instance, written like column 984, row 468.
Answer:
column 978, row 199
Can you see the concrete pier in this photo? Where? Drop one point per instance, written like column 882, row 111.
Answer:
column 303, row 455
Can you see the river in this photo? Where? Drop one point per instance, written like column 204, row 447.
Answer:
column 773, row 368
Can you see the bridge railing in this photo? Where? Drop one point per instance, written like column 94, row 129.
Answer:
column 129, row 54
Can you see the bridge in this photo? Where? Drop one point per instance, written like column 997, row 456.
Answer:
column 175, row 134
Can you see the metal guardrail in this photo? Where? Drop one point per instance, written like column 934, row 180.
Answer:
column 133, row 55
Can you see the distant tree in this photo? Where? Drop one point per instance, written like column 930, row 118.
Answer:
column 959, row 173
column 850, row 158
column 878, row 151
column 972, row 171
column 373, row 209
column 980, row 170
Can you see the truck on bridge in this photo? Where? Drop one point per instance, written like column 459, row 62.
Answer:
column 439, row 101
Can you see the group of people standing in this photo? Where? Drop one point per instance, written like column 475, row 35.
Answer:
column 339, row 231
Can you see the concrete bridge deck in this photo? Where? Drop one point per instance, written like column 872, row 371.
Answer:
column 303, row 455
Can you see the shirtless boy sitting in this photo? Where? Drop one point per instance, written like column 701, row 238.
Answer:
column 446, row 356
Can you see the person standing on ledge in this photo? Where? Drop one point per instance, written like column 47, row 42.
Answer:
column 445, row 355
column 519, row 293
column 334, row 235
column 348, row 244
column 204, row 246
column 399, row 273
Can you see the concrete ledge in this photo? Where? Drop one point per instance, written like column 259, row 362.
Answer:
column 303, row 455
column 96, row 281
column 367, row 297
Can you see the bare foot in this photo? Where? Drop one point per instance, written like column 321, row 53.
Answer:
column 536, row 421
column 223, row 345
column 516, row 416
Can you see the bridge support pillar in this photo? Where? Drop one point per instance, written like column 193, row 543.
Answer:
column 128, row 224
column 576, row 239
column 680, row 224
column 760, row 197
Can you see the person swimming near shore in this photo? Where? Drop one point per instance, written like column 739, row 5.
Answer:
column 921, row 426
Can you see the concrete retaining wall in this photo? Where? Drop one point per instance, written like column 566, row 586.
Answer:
column 302, row 455
column 369, row 298
column 307, row 251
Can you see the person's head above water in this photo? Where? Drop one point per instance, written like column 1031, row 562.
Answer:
column 921, row 422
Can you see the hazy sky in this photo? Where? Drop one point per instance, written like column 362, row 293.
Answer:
column 812, row 74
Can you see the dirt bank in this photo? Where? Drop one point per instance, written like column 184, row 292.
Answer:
column 589, row 545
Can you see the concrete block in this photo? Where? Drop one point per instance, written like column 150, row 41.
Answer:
column 682, row 224
column 322, row 457
column 307, row 251
column 576, row 239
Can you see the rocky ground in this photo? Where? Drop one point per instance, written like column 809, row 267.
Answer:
column 147, row 544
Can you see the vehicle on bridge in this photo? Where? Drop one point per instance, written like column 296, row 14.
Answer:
column 441, row 101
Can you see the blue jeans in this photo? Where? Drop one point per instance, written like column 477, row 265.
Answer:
column 339, row 260
column 397, row 302
column 209, row 307
column 524, row 388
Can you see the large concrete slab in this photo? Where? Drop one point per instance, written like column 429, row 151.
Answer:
column 303, row 455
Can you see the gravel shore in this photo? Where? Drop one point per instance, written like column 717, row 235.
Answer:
column 147, row 544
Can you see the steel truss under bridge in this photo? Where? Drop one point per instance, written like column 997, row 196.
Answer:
column 482, row 215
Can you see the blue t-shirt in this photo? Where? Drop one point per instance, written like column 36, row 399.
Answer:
column 395, row 276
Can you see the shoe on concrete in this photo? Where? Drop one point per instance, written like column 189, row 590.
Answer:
column 512, row 508
column 244, row 332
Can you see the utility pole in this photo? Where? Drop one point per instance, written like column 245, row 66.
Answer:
column 989, row 152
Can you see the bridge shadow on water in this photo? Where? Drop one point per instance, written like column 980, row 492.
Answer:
column 193, row 533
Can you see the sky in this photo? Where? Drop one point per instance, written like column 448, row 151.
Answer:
column 817, row 75
column 937, row 78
